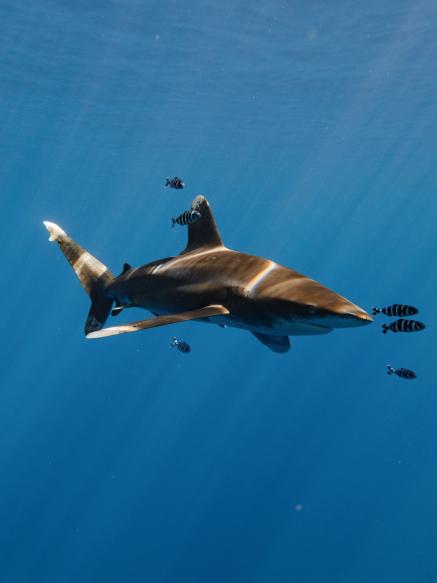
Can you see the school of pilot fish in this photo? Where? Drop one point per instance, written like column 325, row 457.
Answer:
column 400, row 325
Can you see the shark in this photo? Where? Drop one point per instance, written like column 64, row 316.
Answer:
column 209, row 283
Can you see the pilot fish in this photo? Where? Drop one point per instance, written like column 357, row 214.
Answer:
column 403, row 326
column 399, row 310
column 404, row 373
column 181, row 345
column 186, row 218
column 176, row 183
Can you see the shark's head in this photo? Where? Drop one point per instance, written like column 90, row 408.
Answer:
column 322, row 306
column 301, row 299
column 338, row 314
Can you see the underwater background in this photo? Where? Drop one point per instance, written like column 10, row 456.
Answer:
column 311, row 127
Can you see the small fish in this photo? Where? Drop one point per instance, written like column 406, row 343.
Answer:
column 181, row 345
column 176, row 183
column 403, row 326
column 396, row 310
column 186, row 218
column 404, row 373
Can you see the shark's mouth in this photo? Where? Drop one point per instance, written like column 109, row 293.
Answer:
column 343, row 320
column 276, row 328
column 303, row 328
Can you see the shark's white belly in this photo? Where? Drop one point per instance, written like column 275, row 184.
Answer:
column 281, row 328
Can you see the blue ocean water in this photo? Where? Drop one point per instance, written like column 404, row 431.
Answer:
column 311, row 128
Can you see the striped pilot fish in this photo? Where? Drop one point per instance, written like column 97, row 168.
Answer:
column 176, row 183
column 398, row 310
column 402, row 325
column 181, row 345
column 186, row 218
column 404, row 373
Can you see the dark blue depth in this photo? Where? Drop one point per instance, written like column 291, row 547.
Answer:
column 311, row 128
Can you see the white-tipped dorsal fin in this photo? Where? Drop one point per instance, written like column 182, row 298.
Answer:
column 55, row 231
column 203, row 233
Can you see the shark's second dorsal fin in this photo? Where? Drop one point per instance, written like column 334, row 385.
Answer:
column 203, row 233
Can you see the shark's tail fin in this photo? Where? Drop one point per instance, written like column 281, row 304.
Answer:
column 92, row 274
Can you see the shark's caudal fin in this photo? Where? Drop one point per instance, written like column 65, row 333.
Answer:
column 92, row 274
column 203, row 233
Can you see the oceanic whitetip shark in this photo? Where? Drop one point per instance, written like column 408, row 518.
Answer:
column 210, row 283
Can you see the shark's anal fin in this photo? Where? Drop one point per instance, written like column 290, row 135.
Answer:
column 203, row 233
column 275, row 343
column 206, row 312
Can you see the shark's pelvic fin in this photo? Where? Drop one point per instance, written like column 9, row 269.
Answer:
column 206, row 312
column 203, row 233
column 275, row 343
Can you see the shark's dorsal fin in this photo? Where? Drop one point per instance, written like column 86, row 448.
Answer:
column 126, row 267
column 204, row 232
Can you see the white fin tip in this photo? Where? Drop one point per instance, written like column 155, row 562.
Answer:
column 55, row 231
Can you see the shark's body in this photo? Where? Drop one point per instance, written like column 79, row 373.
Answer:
column 211, row 283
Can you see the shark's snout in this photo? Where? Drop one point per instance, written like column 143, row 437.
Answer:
column 365, row 318
column 356, row 317
column 338, row 315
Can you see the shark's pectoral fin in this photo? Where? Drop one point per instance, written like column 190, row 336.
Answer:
column 203, row 233
column 205, row 312
column 275, row 343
